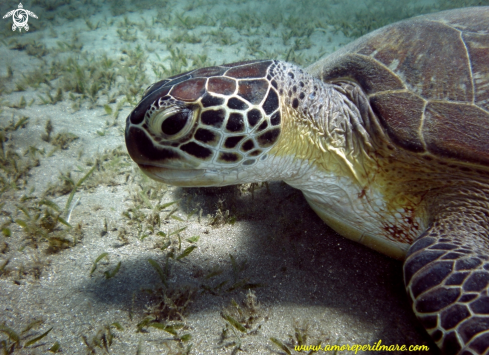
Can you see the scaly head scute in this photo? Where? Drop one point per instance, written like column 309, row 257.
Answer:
column 217, row 118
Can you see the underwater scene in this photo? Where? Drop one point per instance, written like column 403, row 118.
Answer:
column 97, row 258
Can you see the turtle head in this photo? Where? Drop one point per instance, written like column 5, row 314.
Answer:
column 208, row 127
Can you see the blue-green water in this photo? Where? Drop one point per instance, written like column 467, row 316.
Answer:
column 82, row 66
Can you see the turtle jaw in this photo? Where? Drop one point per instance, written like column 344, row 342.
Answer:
column 184, row 177
column 210, row 177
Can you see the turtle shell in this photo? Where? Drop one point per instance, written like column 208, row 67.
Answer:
column 427, row 80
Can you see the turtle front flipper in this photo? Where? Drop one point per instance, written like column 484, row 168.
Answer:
column 446, row 274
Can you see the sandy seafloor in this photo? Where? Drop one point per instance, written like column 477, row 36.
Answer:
column 306, row 279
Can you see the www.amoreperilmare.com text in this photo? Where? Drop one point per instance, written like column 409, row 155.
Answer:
column 377, row 346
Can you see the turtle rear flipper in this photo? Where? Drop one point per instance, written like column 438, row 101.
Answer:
column 446, row 274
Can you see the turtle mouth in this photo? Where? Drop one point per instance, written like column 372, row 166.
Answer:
column 180, row 177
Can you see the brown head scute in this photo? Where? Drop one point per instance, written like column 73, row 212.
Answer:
column 204, row 116
column 235, row 123
column 209, row 100
column 253, row 91
column 253, row 69
column 189, row 90
column 223, row 86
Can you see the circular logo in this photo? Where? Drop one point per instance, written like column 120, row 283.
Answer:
column 20, row 17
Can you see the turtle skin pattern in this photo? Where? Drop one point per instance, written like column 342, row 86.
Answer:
column 237, row 106
column 446, row 272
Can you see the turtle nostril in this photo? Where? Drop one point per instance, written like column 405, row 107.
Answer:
column 174, row 124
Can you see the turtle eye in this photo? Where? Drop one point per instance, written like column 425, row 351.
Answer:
column 172, row 123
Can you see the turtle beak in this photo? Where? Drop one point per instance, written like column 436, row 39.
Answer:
column 163, row 164
column 144, row 151
column 180, row 177
column 135, row 149
column 188, row 178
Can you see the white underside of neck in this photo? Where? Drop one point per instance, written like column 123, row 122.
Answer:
column 359, row 215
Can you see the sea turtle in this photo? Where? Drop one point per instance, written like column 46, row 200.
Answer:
column 388, row 139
